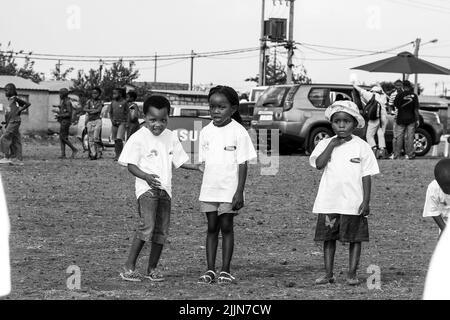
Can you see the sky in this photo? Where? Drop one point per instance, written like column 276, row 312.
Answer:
column 133, row 27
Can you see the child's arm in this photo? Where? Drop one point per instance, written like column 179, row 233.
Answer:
column 150, row 178
column 324, row 158
column 364, row 208
column 238, row 199
column 190, row 166
column 440, row 222
column 23, row 104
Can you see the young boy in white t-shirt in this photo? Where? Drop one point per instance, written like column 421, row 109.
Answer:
column 149, row 155
column 342, row 201
column 437, row 201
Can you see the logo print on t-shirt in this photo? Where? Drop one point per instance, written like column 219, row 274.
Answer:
column 329, row 223
column 153, row 153
column 355, row 160
column 205, row 146
column 230, row 148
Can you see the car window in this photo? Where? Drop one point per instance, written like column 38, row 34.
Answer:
column 319, row 97
column 203, row 113
column 188, row 112
column 273, row 97
column 338, row 95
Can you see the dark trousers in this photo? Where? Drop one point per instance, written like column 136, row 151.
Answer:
column 64, row 136
column 11, row 141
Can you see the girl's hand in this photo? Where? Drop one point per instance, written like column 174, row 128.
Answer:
column 238, row 201
column 152, row 182
column 336, row 142
column 364, row 209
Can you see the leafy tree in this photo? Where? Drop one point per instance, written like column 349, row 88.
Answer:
column 60, row 75
column 276, row 73
column 118, row 75
column 9, row 66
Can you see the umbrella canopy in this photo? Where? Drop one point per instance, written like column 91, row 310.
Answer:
column 404, row 62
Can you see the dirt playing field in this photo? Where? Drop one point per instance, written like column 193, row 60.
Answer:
column 83, row 213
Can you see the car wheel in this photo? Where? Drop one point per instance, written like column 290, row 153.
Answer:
column 85, row 141
column 316, row 136
column 422, row 142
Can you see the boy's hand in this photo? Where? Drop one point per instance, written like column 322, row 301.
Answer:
column 364, row 209
column 152, row 182
column 336, row 142
column 238, row 201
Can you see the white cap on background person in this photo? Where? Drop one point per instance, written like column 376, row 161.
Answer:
column 437, row 283
column 5, row 269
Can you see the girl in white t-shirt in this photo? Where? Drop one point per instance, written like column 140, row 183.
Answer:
column 342, row 202
column 225, row 148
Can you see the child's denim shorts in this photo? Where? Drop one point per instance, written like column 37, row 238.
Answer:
column 342, row 227
column 219, row 207
column 154, row 208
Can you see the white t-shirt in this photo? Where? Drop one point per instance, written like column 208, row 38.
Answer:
column 154, row 155
column 436, row 202
column 5, row 269
column 437, row 283
column 223, row 149
column 341, row 188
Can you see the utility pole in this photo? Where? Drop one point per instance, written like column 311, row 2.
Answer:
column 192, row 70
column 262, row 53
column 290, row 43
column 156, row 66
column 58, row 70
column 416, row 54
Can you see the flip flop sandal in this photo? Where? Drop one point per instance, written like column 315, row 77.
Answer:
column 208, row 278
column 225, row 278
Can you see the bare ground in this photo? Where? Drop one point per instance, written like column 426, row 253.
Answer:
column 83, row 213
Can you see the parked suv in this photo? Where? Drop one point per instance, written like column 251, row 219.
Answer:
column 298, row 111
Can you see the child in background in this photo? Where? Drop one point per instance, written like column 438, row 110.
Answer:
column 342, row 201
column 119, row 117
column 133, row 114
column 149, row 155
column 437, row 201
column 93, row 111
column 64, row 117
column 11, row 140
column 225, row 147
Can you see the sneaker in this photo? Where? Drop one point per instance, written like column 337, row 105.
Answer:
column 353, row 281
column 325, row 280
column 130, row 275
column 155, row 276
column 5, row 161
column 17, row 162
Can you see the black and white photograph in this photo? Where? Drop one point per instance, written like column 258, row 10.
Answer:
column 225, row 155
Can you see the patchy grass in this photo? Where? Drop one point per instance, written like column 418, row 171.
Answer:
column 80, row 212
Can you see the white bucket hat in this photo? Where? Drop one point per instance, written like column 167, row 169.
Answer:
column 348, row 107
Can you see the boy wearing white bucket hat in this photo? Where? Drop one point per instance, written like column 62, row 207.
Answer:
column 342, row 201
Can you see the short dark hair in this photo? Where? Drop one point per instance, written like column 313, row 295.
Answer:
column 132, row 95
column 442, row 172
column 407, row 84
column 14, row 89
column 122, row 92
column 158, row 102
column 97, row 89
column 398, row 82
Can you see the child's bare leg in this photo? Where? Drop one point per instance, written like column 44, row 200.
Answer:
column 212, row 239
column 329, row 249
column 354, row 256
column 226, row 226
column 136, row 248
column 155, row 254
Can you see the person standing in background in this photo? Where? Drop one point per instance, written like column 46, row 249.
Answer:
column 64, row 117
column 119, row 117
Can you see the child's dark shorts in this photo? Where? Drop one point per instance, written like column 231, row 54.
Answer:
column 345, row 228
column 154, row 208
